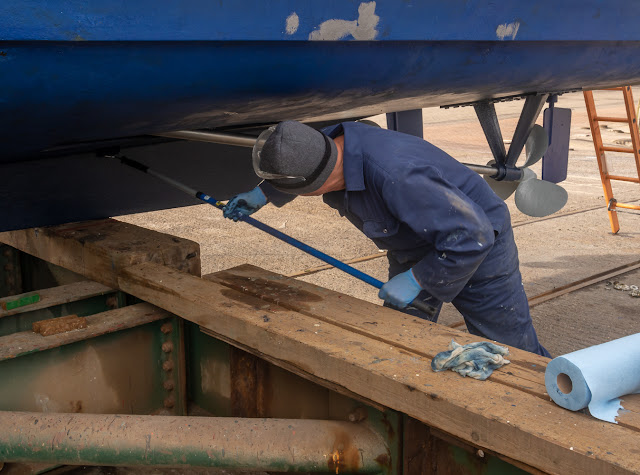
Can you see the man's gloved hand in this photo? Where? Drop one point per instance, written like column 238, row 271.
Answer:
column 401, row 290
column 245, row 204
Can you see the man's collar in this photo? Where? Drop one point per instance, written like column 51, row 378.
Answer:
column 352, row 161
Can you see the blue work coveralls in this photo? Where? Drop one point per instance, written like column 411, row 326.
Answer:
column 440, row 219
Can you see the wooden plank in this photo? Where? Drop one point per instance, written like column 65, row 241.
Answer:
column 629, row 416
column 99, row 249
column 23, row 343
column 526, row 371
column 60, row 295
column 483, row 413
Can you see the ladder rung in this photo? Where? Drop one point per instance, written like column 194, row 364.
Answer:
column 611, row 119
column 617, row 149
column 623, row 178
column 622, row 205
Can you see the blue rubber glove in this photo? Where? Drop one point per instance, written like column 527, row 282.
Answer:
column 245, row 204
column 401, row 290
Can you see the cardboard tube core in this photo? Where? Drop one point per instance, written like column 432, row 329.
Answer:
column 564, row 383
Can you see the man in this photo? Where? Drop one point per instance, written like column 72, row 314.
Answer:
column 448, row 236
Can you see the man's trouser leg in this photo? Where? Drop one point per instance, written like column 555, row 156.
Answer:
column 396, row 268
column 493, row 302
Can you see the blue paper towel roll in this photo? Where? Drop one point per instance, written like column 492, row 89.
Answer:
column 596, row 377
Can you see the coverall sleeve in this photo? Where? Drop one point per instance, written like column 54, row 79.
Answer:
column 440, row 214
column 274, row 196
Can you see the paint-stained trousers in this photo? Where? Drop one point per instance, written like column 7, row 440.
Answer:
column 493, row 303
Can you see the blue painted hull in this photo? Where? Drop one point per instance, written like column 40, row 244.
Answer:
column 72, row 72
column 75, row 71
column 99, row 91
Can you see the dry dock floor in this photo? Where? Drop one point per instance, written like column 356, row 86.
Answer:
column 571, row 245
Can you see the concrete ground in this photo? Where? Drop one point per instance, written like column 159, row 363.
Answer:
column 553, row 252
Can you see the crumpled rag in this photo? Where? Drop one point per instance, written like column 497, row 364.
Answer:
column 476, row 360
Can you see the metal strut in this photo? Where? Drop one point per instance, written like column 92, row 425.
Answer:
column 530, row 112
column 505, row 161
column 486, row 112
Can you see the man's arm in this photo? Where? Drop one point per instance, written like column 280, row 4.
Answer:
column 442, row 215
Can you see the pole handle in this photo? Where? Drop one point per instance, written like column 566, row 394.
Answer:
column 424, row 307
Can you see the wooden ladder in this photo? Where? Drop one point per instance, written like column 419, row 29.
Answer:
column 606, row 177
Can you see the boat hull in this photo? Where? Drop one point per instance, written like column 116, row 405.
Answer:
column 78, row 77
column 57, row 93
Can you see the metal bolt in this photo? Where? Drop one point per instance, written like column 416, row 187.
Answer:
column 166, row 328
column 169, row 402
column 167, row 365
column 480, row 453
column 167, row 347
column 168, row 385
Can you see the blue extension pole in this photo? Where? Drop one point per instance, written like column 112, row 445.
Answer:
column 302, row 246
column 419, row 304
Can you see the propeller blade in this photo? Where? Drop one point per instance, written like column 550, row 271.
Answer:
column 536, row 146
column 504, row 189
column 539, row 198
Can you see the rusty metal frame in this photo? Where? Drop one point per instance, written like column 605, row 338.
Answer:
column 230, row 443
column 248, row 387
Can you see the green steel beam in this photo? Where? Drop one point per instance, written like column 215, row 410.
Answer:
column 229, row 443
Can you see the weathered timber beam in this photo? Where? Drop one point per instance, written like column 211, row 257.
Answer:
column 22, row 343
column 526, row 372
column 486, row 414
column 229, row 443
column 98, row 250
column 57, row 296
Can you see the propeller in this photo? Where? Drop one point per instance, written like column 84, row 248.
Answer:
column 534, row 197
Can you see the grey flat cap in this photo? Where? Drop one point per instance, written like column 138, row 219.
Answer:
column 297, row 150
